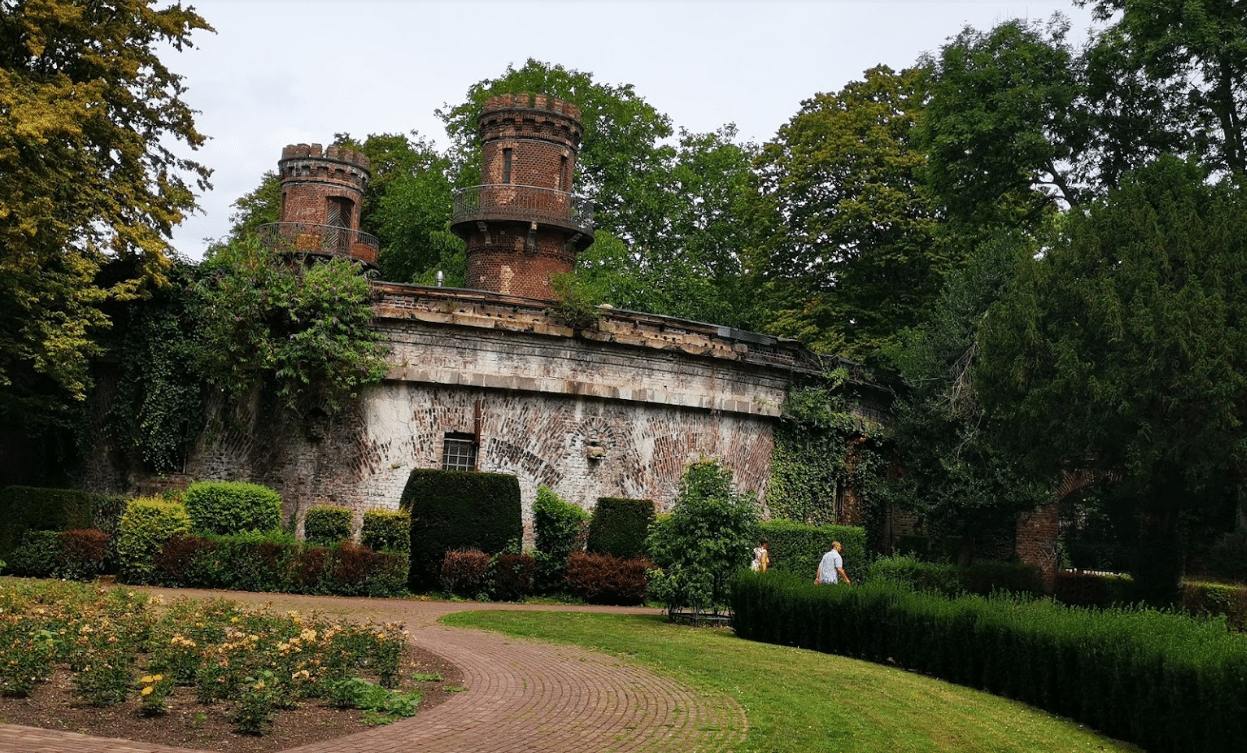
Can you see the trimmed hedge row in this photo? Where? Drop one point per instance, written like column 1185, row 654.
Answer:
column 326, row 526
column 1197, row 599
column 951, row 580
column 229, row 507
column 29, row 508
column 1157, row 679
column 387, row 531
column 797, row 548
column 258, row 562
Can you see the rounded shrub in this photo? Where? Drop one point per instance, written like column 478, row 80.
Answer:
column 229, row 507
column 387, row 531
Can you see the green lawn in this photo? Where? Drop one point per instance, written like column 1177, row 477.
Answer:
column 801, row 701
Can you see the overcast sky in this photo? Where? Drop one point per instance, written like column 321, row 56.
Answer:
column 280, row 72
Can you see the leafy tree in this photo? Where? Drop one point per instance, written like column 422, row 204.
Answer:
column 91, row 116
column 407, row 205
column 689, row 263
column 957, row 478
column 258, row 207
column 1021, row 123
column 707, row 538
column 1124, row 349
column 1197, row 49
column 266, row 316
column 850, row 254
column 1005, row 122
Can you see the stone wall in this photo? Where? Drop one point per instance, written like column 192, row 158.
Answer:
column 619, row 410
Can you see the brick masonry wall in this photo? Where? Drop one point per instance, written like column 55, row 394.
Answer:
column 649, row 396
column 310, row 175
column 516, row 262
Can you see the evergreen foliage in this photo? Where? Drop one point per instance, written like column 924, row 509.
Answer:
column 797, row 548
column 27, row 508
column 1158, row 679
column 1125, row 348
column 458, row 509
column 982, row 578
column 561, row 528
column 387, row 531
column 709, row 534
column 326, row 526
column 147, row 524
column 227, row 507
column 618, row 526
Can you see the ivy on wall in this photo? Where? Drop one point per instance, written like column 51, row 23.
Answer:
column 245, row 318
column 821, row 448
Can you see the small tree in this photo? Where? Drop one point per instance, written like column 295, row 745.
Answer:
column 703, row 542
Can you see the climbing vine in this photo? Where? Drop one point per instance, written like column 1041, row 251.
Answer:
column 157, row 410
column 245, row 318
column 821, row 447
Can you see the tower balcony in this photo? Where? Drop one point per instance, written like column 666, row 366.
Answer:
column 324, row 240
column 513, row 203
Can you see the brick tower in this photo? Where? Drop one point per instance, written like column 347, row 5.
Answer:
column 322, row 191
column 522, row 223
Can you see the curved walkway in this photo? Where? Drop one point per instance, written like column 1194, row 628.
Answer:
column 522, row 695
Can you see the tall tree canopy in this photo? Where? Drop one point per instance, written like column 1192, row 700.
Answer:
column 1124, row 348
column 1197, row 49
column 850, row 255
column 89, row 116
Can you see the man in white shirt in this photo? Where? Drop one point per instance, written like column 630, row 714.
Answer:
column 831, row 568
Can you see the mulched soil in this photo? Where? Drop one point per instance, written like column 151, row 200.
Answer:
column 190, row 724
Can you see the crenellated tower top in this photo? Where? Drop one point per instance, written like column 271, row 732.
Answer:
column 522, row 224
column 322, row 193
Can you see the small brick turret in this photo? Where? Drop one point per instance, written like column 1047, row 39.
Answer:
column 522, row 224
column 322, row 191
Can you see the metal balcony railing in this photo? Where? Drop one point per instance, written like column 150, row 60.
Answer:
column 330, row 240
column 525, row 204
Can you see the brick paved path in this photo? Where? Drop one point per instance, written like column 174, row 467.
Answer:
column 522, row 696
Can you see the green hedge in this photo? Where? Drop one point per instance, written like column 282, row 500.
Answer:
column 28, row 508
column 326, row 526
column 387, row 531
column 36, row 555
column 980, row 578
column 229, row 507
column 258, row 562
column 144, row 528
column 797, row 548
column 1216, row 600
column 1161, row 680
column 456, row 510
column 618, row 526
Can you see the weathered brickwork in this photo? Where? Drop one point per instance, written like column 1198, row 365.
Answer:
column 311, row 175
column 522, row 224
column 532, row 401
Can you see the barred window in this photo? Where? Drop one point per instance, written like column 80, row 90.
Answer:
column 459, row 453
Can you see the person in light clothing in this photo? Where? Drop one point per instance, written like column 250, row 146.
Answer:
column 831, row 568
column 761, row 558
